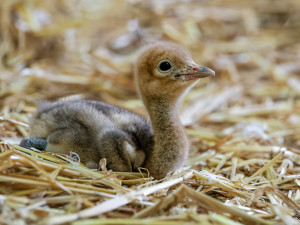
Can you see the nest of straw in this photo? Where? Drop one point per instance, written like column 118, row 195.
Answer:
column 243, row 125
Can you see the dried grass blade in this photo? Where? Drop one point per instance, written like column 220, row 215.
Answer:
column 117, row 202
column 265, row 167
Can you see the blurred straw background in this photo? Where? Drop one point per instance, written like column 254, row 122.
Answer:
column 244, row 124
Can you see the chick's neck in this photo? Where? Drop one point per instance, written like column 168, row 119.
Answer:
column 170, row 141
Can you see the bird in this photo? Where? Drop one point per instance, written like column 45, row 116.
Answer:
column 164, row 72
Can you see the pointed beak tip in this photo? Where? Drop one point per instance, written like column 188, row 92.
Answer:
column 198, row 72
column 207, row 71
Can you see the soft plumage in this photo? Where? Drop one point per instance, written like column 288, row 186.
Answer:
column 164, row 72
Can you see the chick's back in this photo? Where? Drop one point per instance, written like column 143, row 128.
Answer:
column 77, row 125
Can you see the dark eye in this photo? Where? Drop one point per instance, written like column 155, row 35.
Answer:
column 164, row 66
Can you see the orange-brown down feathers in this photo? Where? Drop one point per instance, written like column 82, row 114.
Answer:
column 163, row 73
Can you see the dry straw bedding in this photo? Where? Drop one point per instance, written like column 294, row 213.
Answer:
column 244, row 124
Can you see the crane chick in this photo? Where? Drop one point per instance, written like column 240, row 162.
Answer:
column 164, row 72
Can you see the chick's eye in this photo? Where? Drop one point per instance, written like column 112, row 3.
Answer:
column 164, row 66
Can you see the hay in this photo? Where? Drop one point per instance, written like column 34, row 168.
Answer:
column 244, row 124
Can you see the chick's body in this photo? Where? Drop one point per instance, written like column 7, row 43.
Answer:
column 94, row 130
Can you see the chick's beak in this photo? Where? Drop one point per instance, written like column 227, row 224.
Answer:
column 197, row 72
